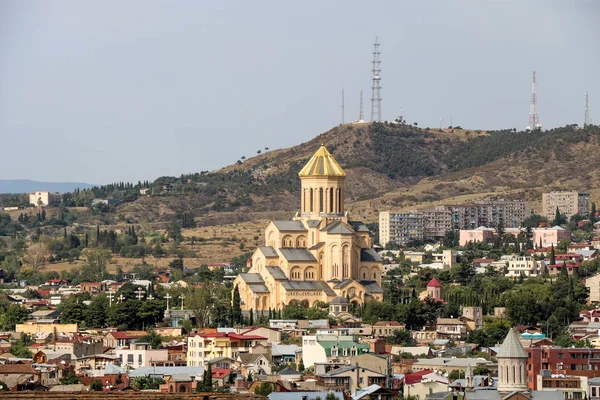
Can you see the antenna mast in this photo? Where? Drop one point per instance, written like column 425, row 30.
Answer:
column 586, row 120
column 534, row 116
column 343, row 111
column 376, row 96
column 361, row 114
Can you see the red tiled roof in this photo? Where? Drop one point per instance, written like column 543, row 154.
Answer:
column 434, row 283
column 416, row 377
column 16, row 369
column 127, row 335
column 218, row 373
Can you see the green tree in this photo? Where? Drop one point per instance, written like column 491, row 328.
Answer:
column 153, row 338
column 552, row 255
column 331, row 396
column 237, row 309
column 401, row 337
column 264, row 389
column 70, row 379
column 96, row 385
column 12, row 316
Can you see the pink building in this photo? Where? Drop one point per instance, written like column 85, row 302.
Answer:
column 550, row 236
column 481, row 234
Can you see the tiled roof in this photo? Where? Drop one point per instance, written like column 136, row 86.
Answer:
column 434, row 283
column 268, row 251
column 369, row 255
column 290, row 226
column 297, row 255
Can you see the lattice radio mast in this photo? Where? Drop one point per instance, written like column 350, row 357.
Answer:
column 376, row 96
column 586, row 120
column 361, row 114
column 534, row 116
column 343, row 111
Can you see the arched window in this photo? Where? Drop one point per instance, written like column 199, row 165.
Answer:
column 309, row 274
column 321, row 202
column 312, row 201
column 287, row 242
column 301, row 242
column 295, row 273
column 331, row 200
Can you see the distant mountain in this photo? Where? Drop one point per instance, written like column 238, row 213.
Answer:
column 26, row 186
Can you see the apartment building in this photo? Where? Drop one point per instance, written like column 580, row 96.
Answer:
column 42, row 199
column 400, row 227
column 568, row 203
column 205, row 347
column 436, row 222
column 527, row 266
column 583, row 361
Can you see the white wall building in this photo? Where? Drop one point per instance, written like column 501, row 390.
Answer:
column 526, row 266
column 140, row 355
column 42, row 199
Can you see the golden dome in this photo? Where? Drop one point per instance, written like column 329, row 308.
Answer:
column 323, row 164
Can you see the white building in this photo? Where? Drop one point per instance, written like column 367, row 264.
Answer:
column 527, row 266
column 140, row 355
column 323, row 348
column 42, row 199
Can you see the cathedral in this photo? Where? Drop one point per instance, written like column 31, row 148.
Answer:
column 318, row 255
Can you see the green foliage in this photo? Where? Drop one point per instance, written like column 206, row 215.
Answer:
column 401, row 337
column 264, row 389
column 147, row 382
column 331, row 396
column 12, row 315
column 20, row 349
column 70, row 379
column 153, row 338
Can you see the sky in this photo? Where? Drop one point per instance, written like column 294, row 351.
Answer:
column 113, row 90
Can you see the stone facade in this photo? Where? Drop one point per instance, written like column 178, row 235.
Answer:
column 318, row 255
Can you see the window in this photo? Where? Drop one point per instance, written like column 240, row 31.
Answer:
column 573, row 367
column 129, row 358
column 561, row 355
column 139, row 359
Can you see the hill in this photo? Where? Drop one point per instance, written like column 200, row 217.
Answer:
column 388, row 166
column 27, row 186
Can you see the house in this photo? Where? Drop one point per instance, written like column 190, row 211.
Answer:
column 555, row 269
column 140, row 355
column 450, row 364
column 330, row 347
column 474, row 314
column 350, row 378
column 283, row 353
column 451, row 328
column 289, row 374
column 481, row 234
column 272, row 335
column 593, row 284
column 299, row 395
column 594, row 388
column 550, row 236
column 178, row 384
column 374, row 362
column 122, row 338
column 424, row 336
column 17, row 374
column 221, row 363
column 526, row 266
column 250, row 363
column 42, row 199
column 422, row 383
column 220, row 376
column 373, row 392
column 387, row 328
column 92, row 287
column 206, row 346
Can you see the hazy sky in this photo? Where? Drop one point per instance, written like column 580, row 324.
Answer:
column 101, row 91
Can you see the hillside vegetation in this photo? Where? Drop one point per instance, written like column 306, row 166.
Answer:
column 388, row 165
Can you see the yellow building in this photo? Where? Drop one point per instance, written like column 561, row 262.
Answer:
column 318, row 255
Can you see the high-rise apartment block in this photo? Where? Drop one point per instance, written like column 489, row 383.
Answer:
column 568, row 203
column 432, row 224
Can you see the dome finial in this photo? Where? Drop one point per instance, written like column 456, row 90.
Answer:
column 322, row 140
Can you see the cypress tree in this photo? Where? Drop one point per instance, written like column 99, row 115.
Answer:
column 552, row 256
column 563, row 271
column 237, row 309
column 87, row 240
column 251, row 322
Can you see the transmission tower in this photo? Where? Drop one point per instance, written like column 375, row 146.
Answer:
column 376, row 96
column 343, row 111
column 534, row 116
column 361, row 114
column 586, row 120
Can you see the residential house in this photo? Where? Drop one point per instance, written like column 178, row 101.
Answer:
column 250, row 363
column 204, row 347
column 350, row 378
column 387, row 328
column 593, row 284
column 451, row 328
column 283, row 353
column 449, row 364
column 561, row 360
column 330, row 347
column 594, row 388
column 221, row 363
column 573, row 387
column 550, row 236
column 118, row 339
column 423, row 383
column 289, row 374
column 374, row 362
column 526, row 266
column 272, row 335
column 424, row 336
column 481, row 234
column 141, row 355
column 474, row 314
column 17, row 374
column 414, row 351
